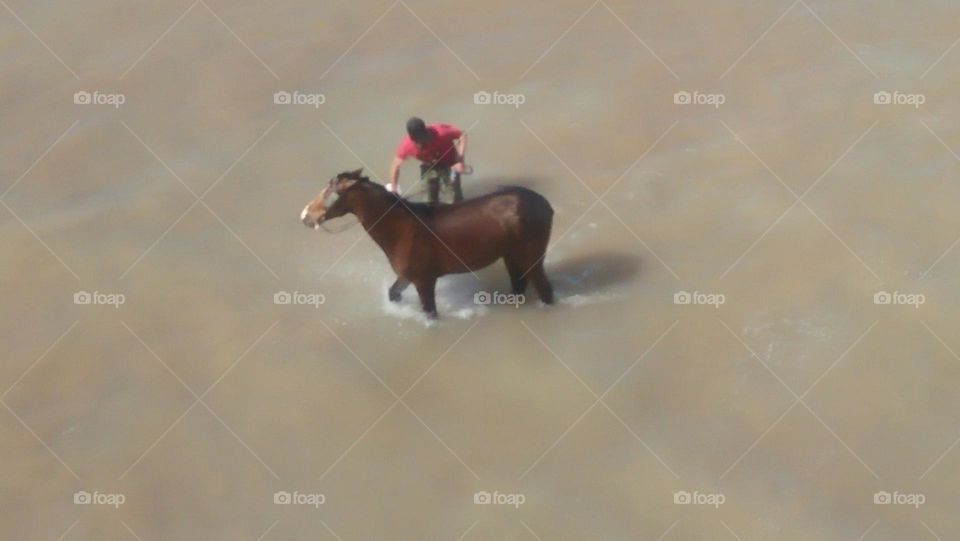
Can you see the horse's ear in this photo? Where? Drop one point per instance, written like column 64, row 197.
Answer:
column 356, row 174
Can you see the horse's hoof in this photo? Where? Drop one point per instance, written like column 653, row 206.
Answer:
column 394, row 296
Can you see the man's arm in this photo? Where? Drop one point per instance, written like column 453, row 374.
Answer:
column 462, row 151
column 394, row 185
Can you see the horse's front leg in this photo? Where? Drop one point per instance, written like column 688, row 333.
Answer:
column 426, row 290
column 396, row 290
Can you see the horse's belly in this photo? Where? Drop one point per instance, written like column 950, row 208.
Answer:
column 471, row 254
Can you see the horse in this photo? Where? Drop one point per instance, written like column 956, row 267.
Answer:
column 424, row 242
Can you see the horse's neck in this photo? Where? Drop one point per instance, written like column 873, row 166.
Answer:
column 382, row 216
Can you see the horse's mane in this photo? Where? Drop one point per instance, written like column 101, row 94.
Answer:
column 416, row 207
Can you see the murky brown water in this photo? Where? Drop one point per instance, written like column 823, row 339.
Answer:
column 789, row 406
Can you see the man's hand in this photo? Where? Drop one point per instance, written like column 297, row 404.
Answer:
column 394, row 183
column 460, row 166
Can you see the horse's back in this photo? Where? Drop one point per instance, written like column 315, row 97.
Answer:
column 509, row 210
column 524, row 194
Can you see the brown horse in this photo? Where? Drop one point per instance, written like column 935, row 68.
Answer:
column 424, row 242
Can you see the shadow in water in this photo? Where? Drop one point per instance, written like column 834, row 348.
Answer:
column 592, row 273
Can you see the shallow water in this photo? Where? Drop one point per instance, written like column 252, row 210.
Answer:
column 797, row 399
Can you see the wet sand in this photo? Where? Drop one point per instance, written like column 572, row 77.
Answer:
column 791, row 402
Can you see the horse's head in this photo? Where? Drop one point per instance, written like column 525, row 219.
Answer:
column 331, row 202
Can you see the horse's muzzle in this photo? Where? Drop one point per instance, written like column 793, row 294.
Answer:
column 308, row 220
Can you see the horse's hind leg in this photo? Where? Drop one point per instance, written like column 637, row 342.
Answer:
column 532, row 257
column 540, row 282
column 396, row 290
column 518, row 282
column 427, row 291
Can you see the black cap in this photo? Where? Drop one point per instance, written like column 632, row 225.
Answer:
column 417, row 129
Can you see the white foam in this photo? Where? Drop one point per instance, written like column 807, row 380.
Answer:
column 583, row 300
column 455, row 299
column 452, row 300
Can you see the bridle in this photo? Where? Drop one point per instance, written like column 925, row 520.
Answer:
column 323, row 224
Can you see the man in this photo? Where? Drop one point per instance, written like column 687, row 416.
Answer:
column 440, row 148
